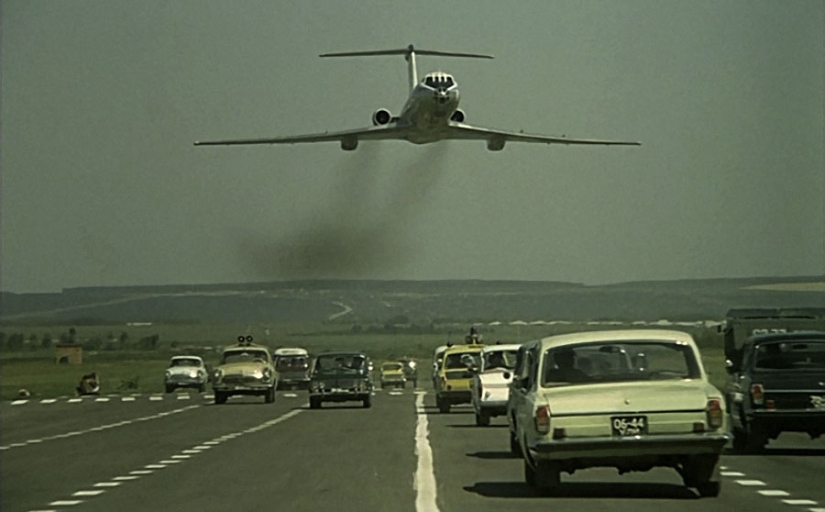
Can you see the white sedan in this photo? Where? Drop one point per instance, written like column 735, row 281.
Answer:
column 186, row 372
column 629, row 399
column 491, row 383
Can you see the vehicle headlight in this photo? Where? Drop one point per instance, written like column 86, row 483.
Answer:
column 168, row 374
column 193, row 374
column 218, row 375
column 258, row 374
column 201, row 373
column 267, row 373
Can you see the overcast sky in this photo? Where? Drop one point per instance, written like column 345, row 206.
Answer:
column 102, row 100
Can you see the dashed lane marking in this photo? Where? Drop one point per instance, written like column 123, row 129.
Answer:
column 95, row 429
column 732, row 473
column 101, row 399
column 155, row 398
column 183, row 397
column 774, row 492
column 800, row 502
column 175, row 459
column 128, row 399
column 751, row 483
column 20, row 402
column 48, row 400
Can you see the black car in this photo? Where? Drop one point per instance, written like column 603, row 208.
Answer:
column 776, row 384
column 340, row 377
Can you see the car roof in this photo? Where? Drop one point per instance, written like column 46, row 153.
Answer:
column 246, row 347
column 786, row 336
column 290, row 351
column 501, row 348
column 457, row 349
column 199, row 358
column 342, row 353
column 618, row 335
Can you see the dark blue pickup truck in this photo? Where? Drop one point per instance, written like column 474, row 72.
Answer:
column 776, row 384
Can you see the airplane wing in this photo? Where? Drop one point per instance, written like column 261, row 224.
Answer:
column 383, row 132
column 467, row 132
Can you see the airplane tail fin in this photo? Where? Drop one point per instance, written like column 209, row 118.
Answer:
column 409, row 54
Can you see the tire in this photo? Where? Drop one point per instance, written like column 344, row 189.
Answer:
column 515, row 448
column 202, row 388
column 443, row 406
column 530, row 475
column 220, row 397
column 314, row 402
column 367, row 403
column 415, row 383
column 269, row 397
column 709, row 489
column 747, row 443
column 547, row 475
column 170, row 389
column 482, row 419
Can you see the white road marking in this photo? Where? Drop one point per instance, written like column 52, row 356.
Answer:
column 424, row 479
column 290, row 395
column 101, row 399
column 800, row 502
column 48, row 400
column 723, row 468
column 212, row 443
column 20, row 402
column 816, row 510
column 183, row 397
column 732, row 473
column 127, row 399
column 171, row 461
column 181, row 456
column 143, row 471
column 396, row 393
column 750, row 483
column 155, row 398
column 201, row 447
column 35, row 441
column 774, row 492
column 192, row 451
column 75, row 400
column 90, row 493
column 208, row 397
column 125, row 478
column 65, row 503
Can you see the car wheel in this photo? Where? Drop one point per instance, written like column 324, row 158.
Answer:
column 202, row 388
column 747, row 443
column 314, row 402
column 270, row 395
column 443, row 406
column 529, row 474
column 515, row 448
column 709, row 489
column 220, row 397
column 170, row 389
column 547, row 475
column 482, row 419
column 367, row 403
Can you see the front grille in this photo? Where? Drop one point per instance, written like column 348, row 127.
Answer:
column 240, row 380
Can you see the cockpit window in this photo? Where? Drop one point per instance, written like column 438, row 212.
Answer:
column 439, row 81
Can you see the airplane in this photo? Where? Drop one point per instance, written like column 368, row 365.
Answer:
column 430, row 114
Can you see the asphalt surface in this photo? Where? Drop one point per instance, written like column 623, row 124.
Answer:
column 191, row 455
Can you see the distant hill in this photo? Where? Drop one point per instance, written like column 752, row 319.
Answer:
column 374, row 301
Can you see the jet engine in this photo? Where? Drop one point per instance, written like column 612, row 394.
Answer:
column 381, row 116
column 458, row 116
column 495, row 143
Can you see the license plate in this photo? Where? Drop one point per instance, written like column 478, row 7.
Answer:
column 242, row 388
column 628, row 425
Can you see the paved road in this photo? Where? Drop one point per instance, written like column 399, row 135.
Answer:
column 190, row 455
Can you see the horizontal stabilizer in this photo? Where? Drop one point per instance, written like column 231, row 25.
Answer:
column 406, row 51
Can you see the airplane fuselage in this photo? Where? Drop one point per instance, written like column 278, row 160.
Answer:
column 429, row 108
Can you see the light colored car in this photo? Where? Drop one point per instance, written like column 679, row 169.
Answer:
column 490, row 386
column 186, row 372
column 392, row 374
column 570, row 412
column 245, row 369
column 292, row 365
column 438, row 359
column 455, row 376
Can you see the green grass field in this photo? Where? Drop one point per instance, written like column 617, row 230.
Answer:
column 141, row 371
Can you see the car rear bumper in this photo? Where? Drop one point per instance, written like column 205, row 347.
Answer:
column 340, row 396
column 788, row 420
column 492, row 407
column 456, row 396
column 623, row 447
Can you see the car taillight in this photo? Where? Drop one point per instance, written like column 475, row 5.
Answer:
column 543, row 419
column 757, row 394
column 715, row 414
